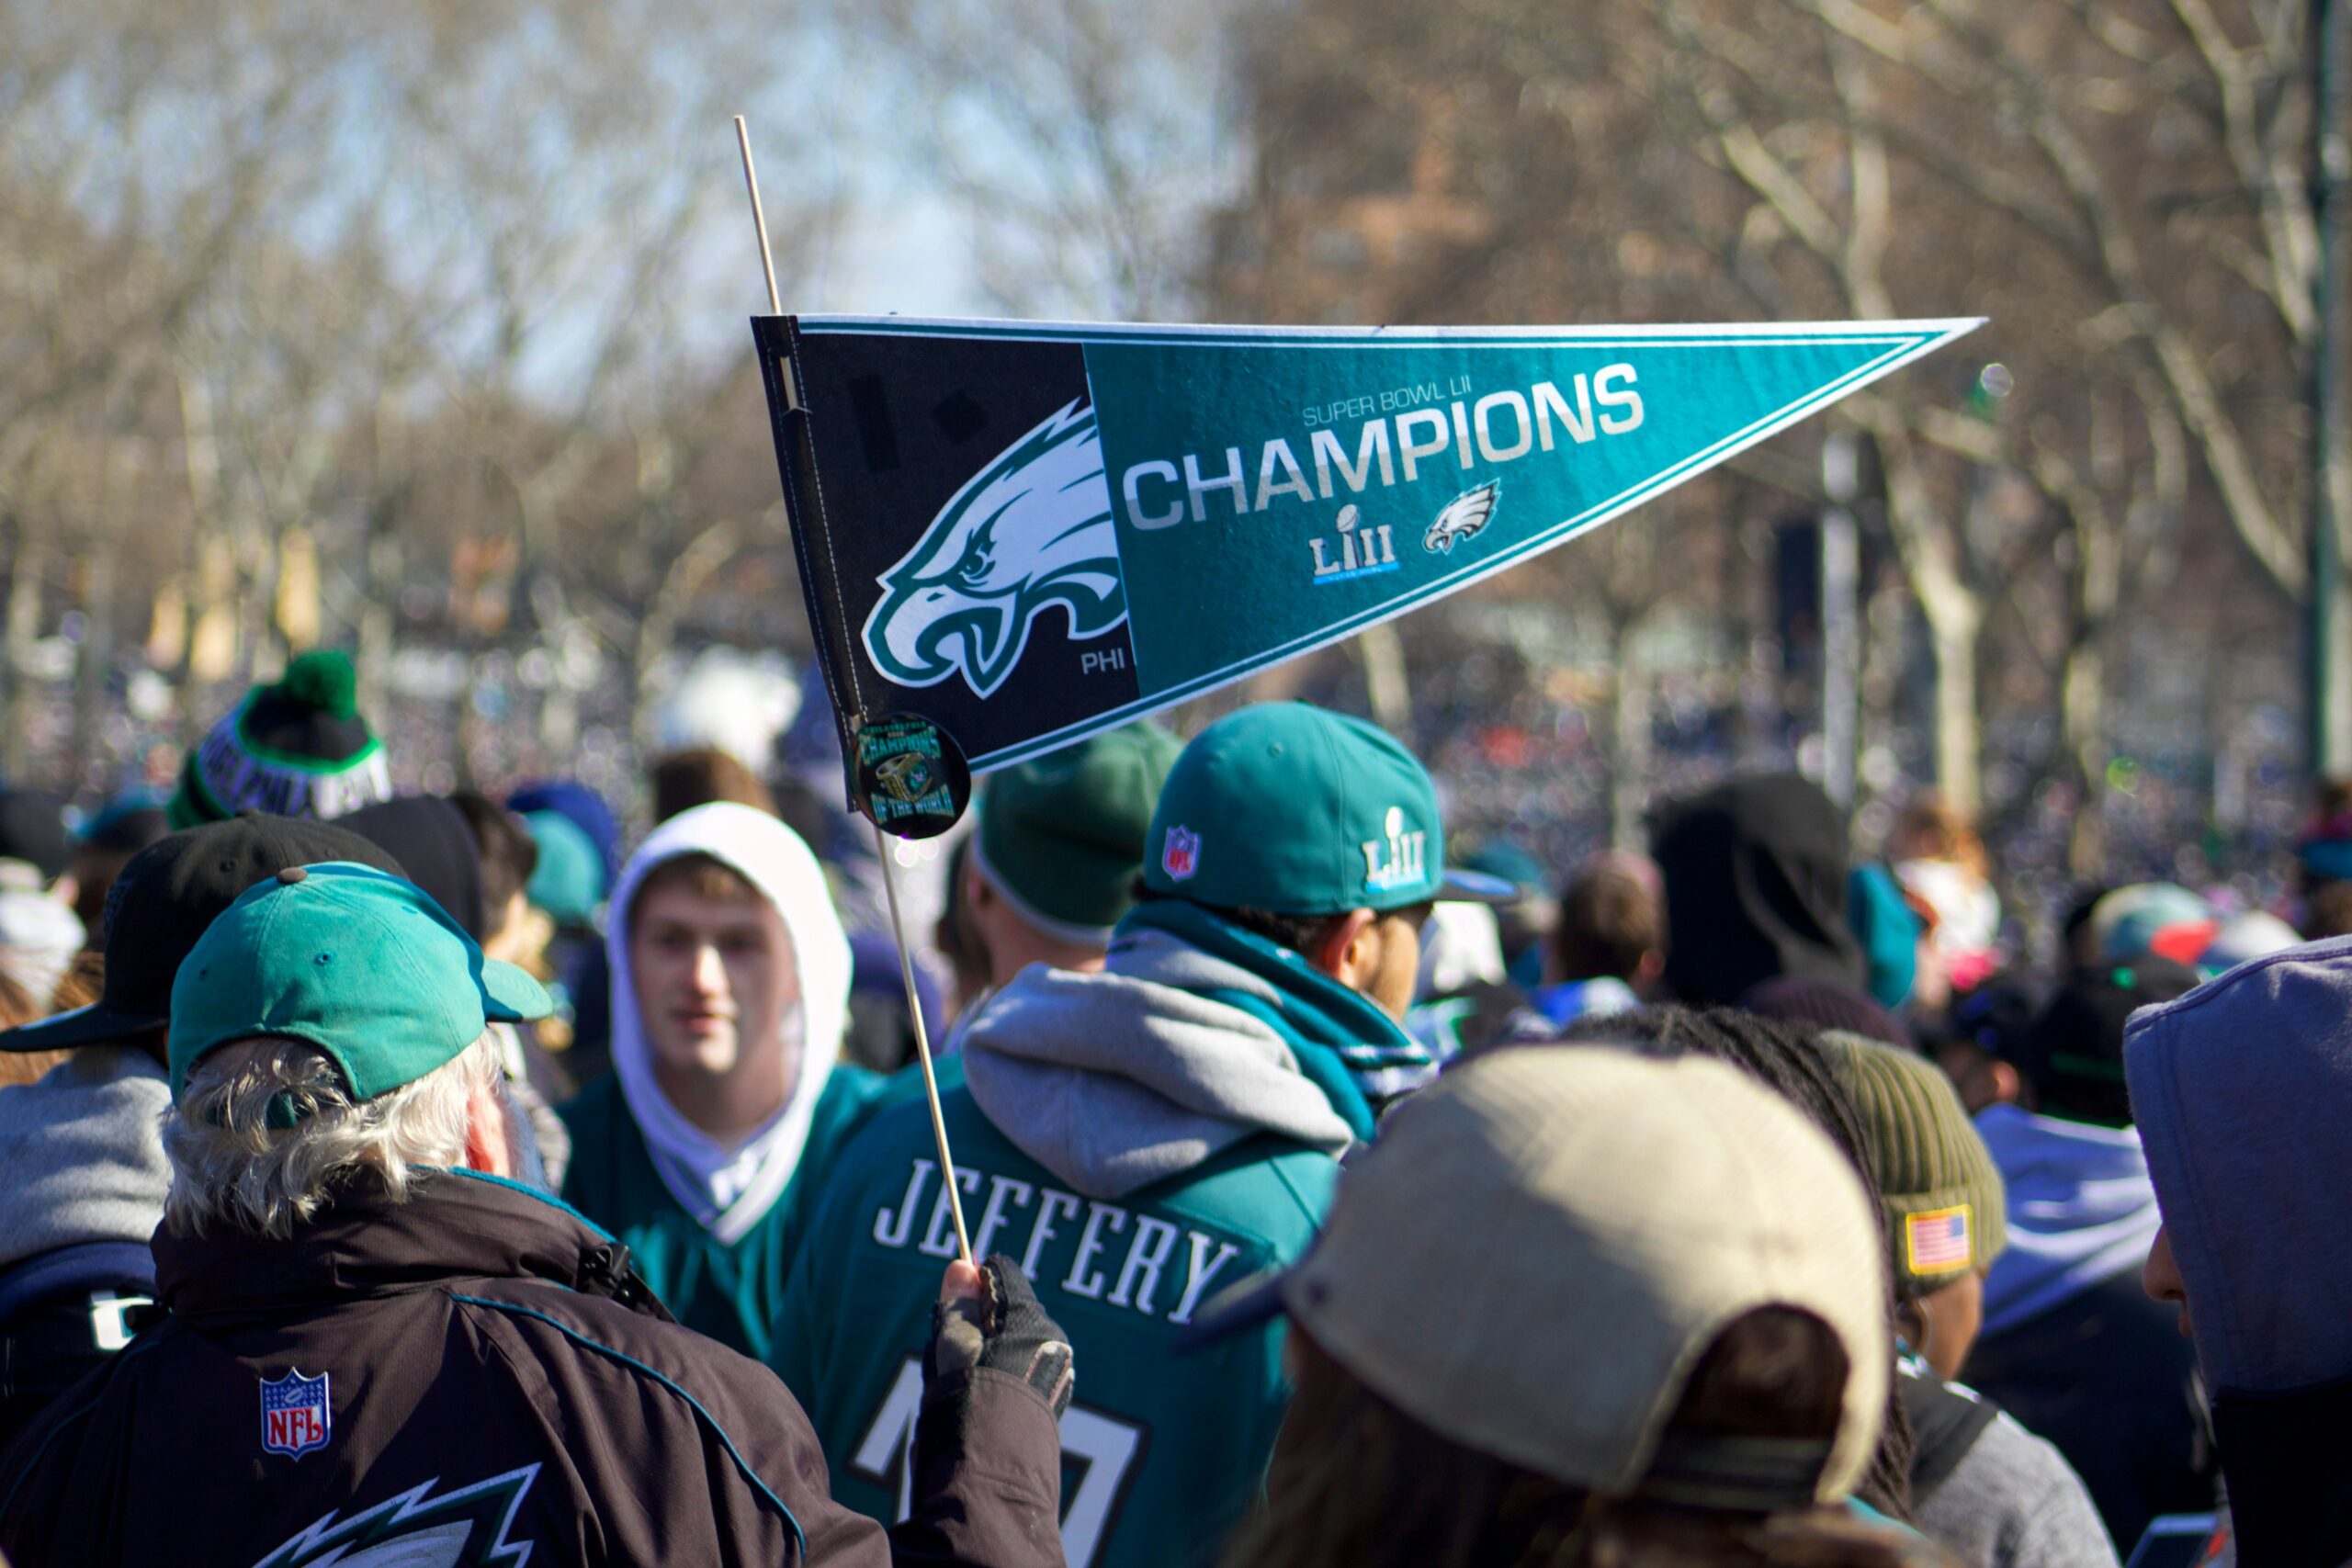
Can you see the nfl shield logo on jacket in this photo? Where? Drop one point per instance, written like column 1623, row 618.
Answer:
column 295, row 1417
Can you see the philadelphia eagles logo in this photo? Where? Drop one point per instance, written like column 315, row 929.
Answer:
column 1464, row 517
column 1031, row 530
column 464, row 1528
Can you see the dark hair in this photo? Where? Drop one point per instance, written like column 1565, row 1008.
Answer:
column 958, row 942
column 2328, row 912
column 1300, row 933
column 1356, row 1483
column 700, row 775
column 705, row 876
column 1817, row 1005
column 1610, row 921
column 1778, row 1055
column 2077, row 921
column 509, row 854
column 1783, row 1057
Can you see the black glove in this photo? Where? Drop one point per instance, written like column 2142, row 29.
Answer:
column 1004, row 1330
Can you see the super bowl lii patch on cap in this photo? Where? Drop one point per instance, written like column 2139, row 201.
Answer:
column 911, row 777
column 1399, row 858
column 1937, row 1239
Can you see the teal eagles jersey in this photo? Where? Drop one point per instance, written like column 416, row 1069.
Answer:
column 1160, row 1452
column 730, row 1290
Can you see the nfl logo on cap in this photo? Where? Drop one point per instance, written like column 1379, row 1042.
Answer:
column 1182, row 855
column 295, row 1417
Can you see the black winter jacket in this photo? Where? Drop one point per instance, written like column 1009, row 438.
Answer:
column 475, row 1376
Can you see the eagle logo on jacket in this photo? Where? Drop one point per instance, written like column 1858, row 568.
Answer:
column 423, row 1528
column 1030, row 531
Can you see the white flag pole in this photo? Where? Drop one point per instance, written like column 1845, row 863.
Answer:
column 758, row 216
column 881, row 844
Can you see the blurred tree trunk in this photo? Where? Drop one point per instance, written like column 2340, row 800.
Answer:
column 94, row 663
column 1630, row 732
column 21, row 631
column 1381, row 652
column 705, row 556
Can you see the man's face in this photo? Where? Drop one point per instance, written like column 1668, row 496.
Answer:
column 1377, row 953
column 2160, row 1276
column 1952, row 1318
column 1398, row 971
column 715, row 978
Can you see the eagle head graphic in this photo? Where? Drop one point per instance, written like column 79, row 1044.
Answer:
column 1031, row 530
column 1463, row 518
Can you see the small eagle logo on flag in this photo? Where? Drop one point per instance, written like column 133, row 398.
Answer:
column 1464, row 517
column 1938, row 1240
column 295, row 1415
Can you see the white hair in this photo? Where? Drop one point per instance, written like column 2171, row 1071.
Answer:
column 232, row 1168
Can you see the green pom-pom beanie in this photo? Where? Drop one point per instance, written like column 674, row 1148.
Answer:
column 296, row 747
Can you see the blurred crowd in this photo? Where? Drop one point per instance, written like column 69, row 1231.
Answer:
column 393, row 1177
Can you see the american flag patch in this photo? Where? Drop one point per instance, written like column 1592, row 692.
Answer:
column 1938, row 1240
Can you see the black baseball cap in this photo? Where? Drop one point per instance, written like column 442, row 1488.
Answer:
column 168, row 893
column 2073, row 1050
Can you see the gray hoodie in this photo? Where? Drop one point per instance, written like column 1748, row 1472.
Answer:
column 81, row 1154
column 1117, row 1081
column 2011, row 1501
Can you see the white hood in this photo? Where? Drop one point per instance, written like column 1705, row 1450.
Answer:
column 728, row 1191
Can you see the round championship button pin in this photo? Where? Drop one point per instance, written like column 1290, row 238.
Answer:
column 912, row 776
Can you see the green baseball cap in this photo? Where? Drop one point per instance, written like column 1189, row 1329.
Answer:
column 1295, row 810
column 1062, row 836
column 363, row 966
column 568, row 881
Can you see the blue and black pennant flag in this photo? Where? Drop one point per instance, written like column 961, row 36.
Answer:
column 1030, row 532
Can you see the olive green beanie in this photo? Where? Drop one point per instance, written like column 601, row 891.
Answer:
column 1062, row 836
column 1941, row 1191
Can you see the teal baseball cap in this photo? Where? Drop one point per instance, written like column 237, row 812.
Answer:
column 363, row 966
column 1297, row 810
column 568, row 881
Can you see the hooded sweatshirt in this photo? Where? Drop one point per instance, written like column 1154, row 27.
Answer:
column 2243, row 1091
column 710, row 1224
column 82, row 1183
column 2081, row 1210
column 81, row 1154
column 1138, row 1141
column 1755, row 889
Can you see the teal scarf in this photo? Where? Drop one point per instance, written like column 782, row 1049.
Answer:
column 1359, row 1057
